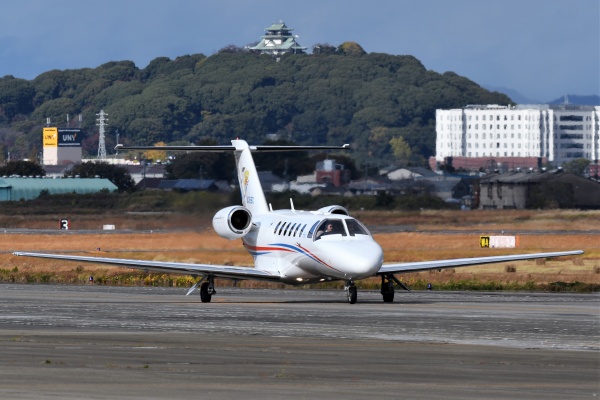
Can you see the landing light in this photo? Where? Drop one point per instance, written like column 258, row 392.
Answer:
column 299, row 279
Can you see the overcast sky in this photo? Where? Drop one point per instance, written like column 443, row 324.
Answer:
column 541, row 48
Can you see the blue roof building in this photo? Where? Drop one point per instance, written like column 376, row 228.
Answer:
column 15, row 189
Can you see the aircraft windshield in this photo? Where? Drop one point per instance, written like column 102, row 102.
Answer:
column 356, row 228
column 330, row 227
column 342, row 227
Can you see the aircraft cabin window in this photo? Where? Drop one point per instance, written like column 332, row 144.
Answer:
column 302, row 230
column 277, row 227
column 356, row 228
column 296, row 230
column 287, row 228
column 291, row 229
column 312, row 229
column 281, row 229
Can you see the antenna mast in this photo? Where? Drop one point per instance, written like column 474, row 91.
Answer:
column 101, row 143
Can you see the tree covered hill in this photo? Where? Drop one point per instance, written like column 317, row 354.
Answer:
column 334, row 97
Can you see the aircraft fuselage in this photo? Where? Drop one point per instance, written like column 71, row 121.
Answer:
column 296, row 246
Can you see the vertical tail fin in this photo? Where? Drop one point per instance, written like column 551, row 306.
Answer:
column 253, row 197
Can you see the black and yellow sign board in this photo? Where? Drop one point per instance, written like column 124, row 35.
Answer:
column 50, row 137
column 484, row 241
column 69, row 137
column 62, row 137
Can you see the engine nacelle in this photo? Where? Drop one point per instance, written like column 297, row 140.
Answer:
column 334, row 210
column 232, row 222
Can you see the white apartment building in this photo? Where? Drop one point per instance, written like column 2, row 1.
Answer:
column 553, row 133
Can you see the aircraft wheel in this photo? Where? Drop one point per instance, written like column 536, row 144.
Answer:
column 205, row 293
column 352, row 294
column 388, row 297
column 387, row 288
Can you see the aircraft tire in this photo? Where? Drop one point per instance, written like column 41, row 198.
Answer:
column 388, row 297
column 352, row 294
column 205, row 294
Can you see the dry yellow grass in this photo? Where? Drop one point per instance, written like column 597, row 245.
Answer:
column 206, row 247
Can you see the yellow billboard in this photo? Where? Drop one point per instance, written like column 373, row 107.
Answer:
column 50, row 137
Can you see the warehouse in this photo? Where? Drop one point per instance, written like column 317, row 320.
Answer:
column 15, row 189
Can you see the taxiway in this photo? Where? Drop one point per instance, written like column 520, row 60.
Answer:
column 100, row 342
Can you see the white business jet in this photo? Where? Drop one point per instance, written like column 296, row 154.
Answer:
column 291, row 246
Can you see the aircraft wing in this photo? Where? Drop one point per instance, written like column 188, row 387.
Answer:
column 464, row 262
column 224, row 271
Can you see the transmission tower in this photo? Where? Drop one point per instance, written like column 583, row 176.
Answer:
column 101, row 143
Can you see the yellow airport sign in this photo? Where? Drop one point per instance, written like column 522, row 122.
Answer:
column 484, row 241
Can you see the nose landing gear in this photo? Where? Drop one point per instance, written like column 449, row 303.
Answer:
column 351, row 292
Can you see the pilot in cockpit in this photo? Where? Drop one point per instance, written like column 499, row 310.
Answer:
column 327, row 228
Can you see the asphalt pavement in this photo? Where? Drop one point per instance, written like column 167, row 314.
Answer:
column 100, row 342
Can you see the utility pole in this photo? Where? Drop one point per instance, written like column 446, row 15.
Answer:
column 101, row 143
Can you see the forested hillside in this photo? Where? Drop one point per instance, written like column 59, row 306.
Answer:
column 329, row 98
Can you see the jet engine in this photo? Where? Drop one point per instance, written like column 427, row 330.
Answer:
column 232, row 222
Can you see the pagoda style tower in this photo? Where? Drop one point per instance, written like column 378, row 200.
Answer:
column 278, row 40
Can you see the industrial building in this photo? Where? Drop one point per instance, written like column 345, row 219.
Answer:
column 538, row 189
column 527, row 136
column 15, row 189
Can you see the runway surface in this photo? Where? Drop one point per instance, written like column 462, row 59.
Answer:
column 99, row 342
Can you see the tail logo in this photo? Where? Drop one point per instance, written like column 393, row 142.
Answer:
column 246, row 179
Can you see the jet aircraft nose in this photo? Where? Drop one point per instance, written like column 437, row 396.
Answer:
column 356, row 259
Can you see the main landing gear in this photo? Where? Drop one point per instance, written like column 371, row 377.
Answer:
column 387, row 287
column 207, row 289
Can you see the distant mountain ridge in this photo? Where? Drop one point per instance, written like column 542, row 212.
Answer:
column 328, row 98
column 577, row 100
column 518, row 98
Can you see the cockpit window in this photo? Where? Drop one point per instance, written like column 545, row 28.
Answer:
column 330, row 227
column 356, row 228
column 312, row 230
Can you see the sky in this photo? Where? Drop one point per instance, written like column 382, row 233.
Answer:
column 542, row 49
